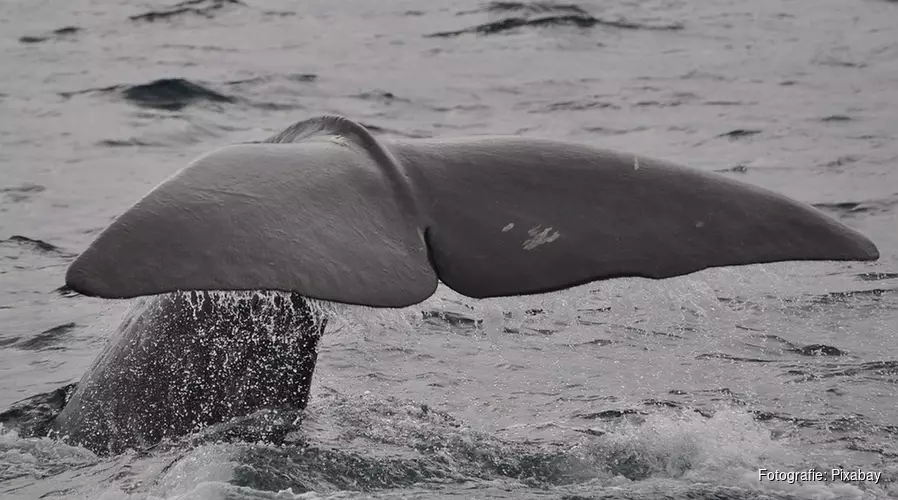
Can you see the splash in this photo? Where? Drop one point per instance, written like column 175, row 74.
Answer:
column 266, row 309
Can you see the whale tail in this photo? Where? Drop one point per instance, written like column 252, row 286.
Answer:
column 325, row 210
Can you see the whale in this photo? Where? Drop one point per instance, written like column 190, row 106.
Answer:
column 231, row 257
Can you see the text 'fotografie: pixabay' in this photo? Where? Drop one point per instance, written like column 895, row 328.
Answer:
column 844, row 475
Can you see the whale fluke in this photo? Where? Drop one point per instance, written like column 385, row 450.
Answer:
column 325, row 210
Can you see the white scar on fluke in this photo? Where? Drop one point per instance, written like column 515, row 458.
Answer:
column 327, row 211
column 539, row 236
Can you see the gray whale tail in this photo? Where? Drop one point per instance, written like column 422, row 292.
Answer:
column 327, row 211
column 324, row 210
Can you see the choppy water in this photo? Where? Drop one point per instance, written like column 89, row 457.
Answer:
column 622, row 389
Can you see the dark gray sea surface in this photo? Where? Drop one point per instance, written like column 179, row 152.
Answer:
column 626, row 389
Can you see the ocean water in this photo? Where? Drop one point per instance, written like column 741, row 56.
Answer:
column 625, row 389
